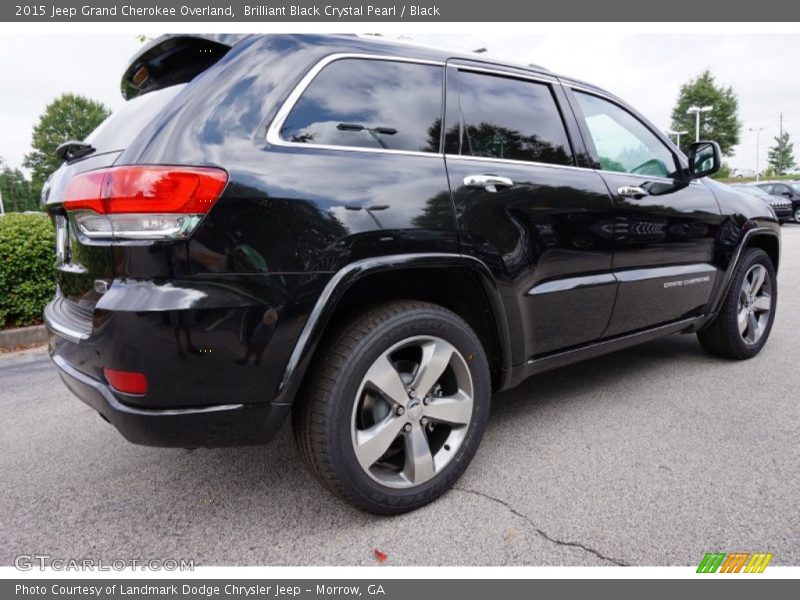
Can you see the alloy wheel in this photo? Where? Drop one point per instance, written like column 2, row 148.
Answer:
column 412, row 411
column 755, row 304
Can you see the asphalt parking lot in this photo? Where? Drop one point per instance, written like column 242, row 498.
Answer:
column 651, row 456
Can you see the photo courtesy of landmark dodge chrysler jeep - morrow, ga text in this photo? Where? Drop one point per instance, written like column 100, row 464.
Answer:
column 374, row 237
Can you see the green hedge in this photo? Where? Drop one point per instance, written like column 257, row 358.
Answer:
column 27, row 253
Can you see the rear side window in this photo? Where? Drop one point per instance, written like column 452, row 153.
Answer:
column 364, row 103
column 511, row 119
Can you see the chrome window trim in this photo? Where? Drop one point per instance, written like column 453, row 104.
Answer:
column 528, row 163
column 638, row 175
column 273, row 136
column 600, row 93
column 512, row 161
column 454, row 64
column 648, row 177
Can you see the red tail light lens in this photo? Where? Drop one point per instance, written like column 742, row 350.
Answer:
column 126, row 381
column 142, row 202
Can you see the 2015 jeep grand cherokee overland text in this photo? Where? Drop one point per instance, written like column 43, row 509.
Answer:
column 375, row 237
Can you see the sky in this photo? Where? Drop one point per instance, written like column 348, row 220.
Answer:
column 646, row 70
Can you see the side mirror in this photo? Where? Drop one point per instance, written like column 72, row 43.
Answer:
column 705, row 159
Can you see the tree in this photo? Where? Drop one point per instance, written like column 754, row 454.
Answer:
column 16, row 190
column 721, row 125
column 723, row 173
column 69, row 117
column 781, row 155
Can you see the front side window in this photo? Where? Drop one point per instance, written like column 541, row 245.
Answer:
column 782, row 190
column 623, row 143
column 511, row 119
column 365, row 103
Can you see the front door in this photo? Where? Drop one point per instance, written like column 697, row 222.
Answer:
column 664, row 225
column 527, row 209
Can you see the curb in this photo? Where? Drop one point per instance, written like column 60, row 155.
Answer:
column 22, row 336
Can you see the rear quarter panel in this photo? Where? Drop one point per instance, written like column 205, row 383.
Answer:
column 288, row 219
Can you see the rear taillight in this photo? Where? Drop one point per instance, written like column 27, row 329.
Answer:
column 142, row 202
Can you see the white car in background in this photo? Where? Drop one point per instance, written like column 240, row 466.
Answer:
column 742, row 173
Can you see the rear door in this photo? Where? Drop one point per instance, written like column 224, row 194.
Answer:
column 665, row 226
column 527, row 207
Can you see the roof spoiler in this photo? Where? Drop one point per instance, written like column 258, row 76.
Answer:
column 173, row 59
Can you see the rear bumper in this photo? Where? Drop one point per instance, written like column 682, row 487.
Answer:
column 209, row 426
column 211, row 372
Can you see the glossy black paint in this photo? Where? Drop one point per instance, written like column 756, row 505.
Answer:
column 233, row 316
column 553, row 223
column 222, row 425
column 338, row 286
column 676, row 224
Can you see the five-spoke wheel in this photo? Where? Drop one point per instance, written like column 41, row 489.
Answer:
column 755, row 303
column 412, row 411
column 396, row 408
column 744, row 321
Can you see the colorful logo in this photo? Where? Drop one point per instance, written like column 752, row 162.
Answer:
column 734, row 562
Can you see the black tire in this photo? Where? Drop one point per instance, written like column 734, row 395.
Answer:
column 721, row 337
column 322, row 418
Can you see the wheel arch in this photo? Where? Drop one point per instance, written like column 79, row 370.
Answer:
column 769, row 243
column 766, row 239
column 459, row 283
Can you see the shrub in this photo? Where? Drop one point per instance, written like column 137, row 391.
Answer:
column 27, row 253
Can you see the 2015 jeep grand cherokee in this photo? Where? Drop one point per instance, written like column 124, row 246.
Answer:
column 375, row 237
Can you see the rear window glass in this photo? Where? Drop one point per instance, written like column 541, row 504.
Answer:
column 121, row 127
column 511, row 119
column 370, row 104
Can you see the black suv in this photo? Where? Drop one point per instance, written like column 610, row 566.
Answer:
column 375, row 237
column 785, row 189
column 782, row 207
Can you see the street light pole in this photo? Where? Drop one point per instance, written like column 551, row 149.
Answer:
column 696, row 110
column 758, row 136
column 677, row 135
